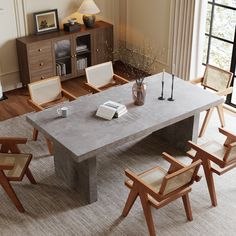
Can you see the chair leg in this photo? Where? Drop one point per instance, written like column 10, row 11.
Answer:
column 50, row 146
column 30, row 176
column 35, row 134
column 210, row 181
column 221, row 115
column 187, row 207
column 206, row 121
column 10, row 192
column 130, row 201
column 147, row 213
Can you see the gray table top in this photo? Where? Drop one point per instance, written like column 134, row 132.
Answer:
column 85, row 135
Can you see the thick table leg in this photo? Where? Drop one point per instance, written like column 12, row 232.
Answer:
column 179, row 133
column 81, row 176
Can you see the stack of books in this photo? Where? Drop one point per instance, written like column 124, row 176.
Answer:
column 82, row 63
column 60, row 68
column 81, row 48
column 110, row 109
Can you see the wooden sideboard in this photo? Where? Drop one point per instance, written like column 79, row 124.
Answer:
column 63, row 53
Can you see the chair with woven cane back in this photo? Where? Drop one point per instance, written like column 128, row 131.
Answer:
column 13, row 166
column 216, row 158
column 219, row 81
column 100, row 77
column 44, row 94
column 158, row 187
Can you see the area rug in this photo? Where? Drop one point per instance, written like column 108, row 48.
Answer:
column 53, row 209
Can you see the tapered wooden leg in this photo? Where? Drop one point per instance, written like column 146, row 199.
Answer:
column 187, row 207
column 10, row 192
column 210, row 181
column 35, row 134
column 130, row 201
column 221, row 114
column 50, row 146
column 147, row 213
column 30, row 176
column 206, row 121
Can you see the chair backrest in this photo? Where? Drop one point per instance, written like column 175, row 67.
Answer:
column 46, row 90
column 100, row 75
column 179, row 179
column 216, row 78
column 230, row 154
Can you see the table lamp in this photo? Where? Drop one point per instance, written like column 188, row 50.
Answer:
column 88, row 8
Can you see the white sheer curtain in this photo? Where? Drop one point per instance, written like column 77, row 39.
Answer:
column 199, row 29
column 182, row 12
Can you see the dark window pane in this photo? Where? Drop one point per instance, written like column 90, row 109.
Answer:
column 220, row 54
column 224, row 23
column 204, row 59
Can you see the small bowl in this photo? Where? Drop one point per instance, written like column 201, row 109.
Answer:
column 72, row 21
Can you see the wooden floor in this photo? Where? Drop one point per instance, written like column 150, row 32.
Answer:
column 16, row 104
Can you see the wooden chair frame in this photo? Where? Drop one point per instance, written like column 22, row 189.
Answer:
column 150, row 197
column 224, row 92
column 9, row 144
column 207, row 158
column 41, row 107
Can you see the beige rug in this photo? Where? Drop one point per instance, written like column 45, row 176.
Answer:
column 53, row 209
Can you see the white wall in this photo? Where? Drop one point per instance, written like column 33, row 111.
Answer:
column 135, row 21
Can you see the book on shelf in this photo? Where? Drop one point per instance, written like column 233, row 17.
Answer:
column 82, row 63
column 110, row 109
column 81, row 48
column 60, row 68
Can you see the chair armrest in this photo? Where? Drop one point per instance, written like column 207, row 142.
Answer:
column 202, row 153
column 196, row 81
column 68, row 95
column 12, row 140
column 225, row 91
column 35, row 106
column 227, row 133
column 119, row 79
column 91, row 88
column 175, row 164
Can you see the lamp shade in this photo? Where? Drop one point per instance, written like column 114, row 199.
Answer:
column 88, row 7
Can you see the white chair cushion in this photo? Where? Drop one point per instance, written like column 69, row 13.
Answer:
column 100, row 75
column 19, row 161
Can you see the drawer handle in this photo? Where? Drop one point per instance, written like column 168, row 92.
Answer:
column 42, row 77
column 41, row 64
column 97, row 50
column 40, row 50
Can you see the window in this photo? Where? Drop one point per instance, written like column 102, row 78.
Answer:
column 220, row 38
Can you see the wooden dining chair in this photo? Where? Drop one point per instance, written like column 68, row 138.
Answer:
column 158, row 187
column 46, row 93
column 216, row 158
column 101, row 76
column 219, row 81
column 13, row 166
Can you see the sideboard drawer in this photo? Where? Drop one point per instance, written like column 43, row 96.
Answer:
column 41, row 63
column 42, row 74
column 39, row 48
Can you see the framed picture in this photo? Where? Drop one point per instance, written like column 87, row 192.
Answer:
column 46, row 21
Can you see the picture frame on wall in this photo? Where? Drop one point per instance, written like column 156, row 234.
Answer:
column 46, row 21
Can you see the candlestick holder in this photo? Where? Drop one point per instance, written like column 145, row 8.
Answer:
column 171, row 99
column 162, row 91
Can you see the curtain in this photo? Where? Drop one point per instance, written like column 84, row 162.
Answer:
column 182, row 12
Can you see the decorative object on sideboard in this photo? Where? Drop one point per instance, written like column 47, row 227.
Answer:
column 162, row 86
column 72, row 25
column 139, row 92
column 171, row 99
column 88, row 8
column 46, row 21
